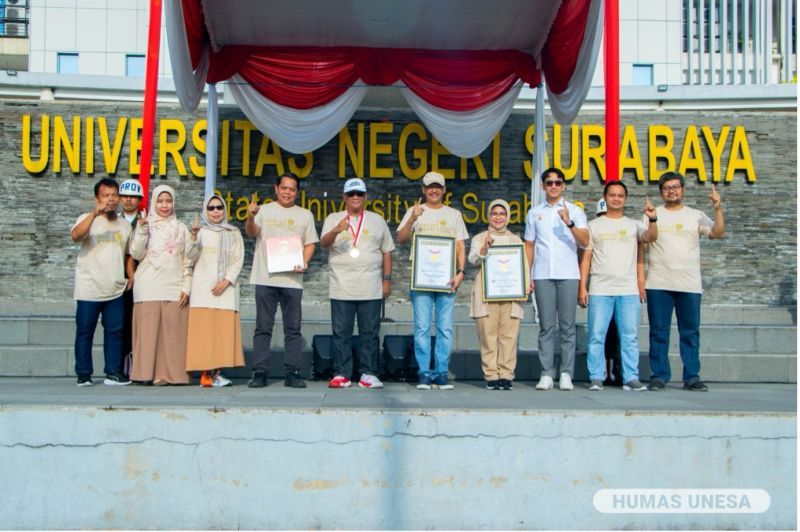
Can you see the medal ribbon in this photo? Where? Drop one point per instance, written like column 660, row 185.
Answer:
column 357, row 232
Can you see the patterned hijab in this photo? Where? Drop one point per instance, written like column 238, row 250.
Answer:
column 225, row 238
column 164, row 231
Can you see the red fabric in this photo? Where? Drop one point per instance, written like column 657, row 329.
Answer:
column 560, row 52
column 611, row 63
column 196, row 34
column 306, row 77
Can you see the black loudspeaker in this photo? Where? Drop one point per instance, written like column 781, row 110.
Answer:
column 322, row 353
column 398, row 361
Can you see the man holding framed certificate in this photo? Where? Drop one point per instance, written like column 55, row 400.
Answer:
column 440, row 241
column 284, row 229
column 360, row 260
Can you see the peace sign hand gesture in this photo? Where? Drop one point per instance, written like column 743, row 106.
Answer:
column 253, row 208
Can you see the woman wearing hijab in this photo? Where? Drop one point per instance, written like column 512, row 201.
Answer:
column 161, row 292
column 215, row 335
column 497, row 321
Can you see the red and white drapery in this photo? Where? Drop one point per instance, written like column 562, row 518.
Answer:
column 301, row 96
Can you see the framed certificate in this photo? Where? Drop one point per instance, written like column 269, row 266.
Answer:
column 283, row 253
column 433, row 263
column 503, row 274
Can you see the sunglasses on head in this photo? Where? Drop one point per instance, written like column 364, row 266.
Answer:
column 215, row 207
column 355, row 193
column 553, row 183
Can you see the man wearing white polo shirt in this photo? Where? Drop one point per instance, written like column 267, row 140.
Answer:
column 553, row 231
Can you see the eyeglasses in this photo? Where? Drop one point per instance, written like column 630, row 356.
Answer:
column 553, row 183
column 503, row 214
column 671, row 188
column 355, row 193
column 215, row 208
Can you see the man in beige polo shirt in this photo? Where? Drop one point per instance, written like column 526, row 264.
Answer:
column 360, row 249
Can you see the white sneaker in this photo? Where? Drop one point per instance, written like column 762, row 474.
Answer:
column 545, row 383
column 370, row 381
column 565, row 382
column 220, row 381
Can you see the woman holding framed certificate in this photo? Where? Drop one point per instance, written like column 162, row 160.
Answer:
column 499, row 290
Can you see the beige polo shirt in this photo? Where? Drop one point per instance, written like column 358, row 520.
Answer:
column 358, row 278
column 275, row 220
column 673, row 261
column 100, row 267
column 614, row 243
column 445, row 221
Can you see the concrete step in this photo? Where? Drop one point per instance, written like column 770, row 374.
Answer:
column 54, row 361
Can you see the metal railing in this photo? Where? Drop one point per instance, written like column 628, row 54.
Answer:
column 14, row 18
column 739, row 42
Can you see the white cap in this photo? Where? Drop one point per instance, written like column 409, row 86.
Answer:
column 433, row 177
column 354, row 184
column 601, row 207
column 131, row 187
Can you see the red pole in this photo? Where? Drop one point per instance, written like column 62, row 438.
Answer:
column 150, row 94
column 612, row 88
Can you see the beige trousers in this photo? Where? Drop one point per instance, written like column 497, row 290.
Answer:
column 159, row 342
column 498, row 333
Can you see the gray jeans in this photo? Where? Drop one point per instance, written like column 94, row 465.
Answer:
column 556, row 298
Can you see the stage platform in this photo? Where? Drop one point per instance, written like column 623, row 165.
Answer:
column 398, row 458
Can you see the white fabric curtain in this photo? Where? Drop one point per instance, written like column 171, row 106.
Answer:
column 188, row 83
column 565, row 106
column 465, row 134
column 296, row 130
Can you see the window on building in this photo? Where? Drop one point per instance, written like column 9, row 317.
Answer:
column 134, row 65
column 642, row 74
column 67, row 63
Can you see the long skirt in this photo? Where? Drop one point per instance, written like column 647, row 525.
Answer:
column 159, row 342
column 214, row 340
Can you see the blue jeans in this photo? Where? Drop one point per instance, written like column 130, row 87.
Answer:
column 625, row 310
column 424, row 304
column 86, row 316
column 687, row 311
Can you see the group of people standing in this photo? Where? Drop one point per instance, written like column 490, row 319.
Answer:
column 169, row 294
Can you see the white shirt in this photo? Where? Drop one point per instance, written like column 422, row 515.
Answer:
column 555, row 253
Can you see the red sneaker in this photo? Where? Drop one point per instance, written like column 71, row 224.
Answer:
column 339, row 382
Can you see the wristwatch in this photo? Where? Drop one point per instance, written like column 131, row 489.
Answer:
column 459, row 271
column 571, row 224
column 653, row 220
column 387, row 277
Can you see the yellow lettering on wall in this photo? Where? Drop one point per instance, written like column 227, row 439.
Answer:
column 269, row 156
column 630, row 158
column 574, row 160
column 89, row 147
column 593, row 153
column 348, row 151
column 246, row 127
column 716, row 149
column 225, row 145
column 437, row 150
column 377, row 149
column 70, row 147
column 740, row 157
column 691, row 156
column 659, row 152
column 135, row 143
column 479, row 168
column 171, row 148
column 302, row 171
column 472, row 212
column 418, row 154
column 496, row 156
column 35, row 166
column 199, row 143
column 111, row 155
column 529, row 147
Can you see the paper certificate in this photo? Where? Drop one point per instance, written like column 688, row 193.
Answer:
column 283, row 253
column 433, row 263
column 503, row 274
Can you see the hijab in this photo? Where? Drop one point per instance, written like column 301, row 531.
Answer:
column 163, row 231
column 226, row 236
column 503, row 230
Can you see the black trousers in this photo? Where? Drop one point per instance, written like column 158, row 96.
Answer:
column 267, row 300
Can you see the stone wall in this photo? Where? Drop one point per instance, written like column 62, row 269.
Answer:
column 755, row 264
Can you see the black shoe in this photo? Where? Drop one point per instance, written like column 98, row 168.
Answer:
column 656, row 385
column 294, row 380
column 492, row 385
column 259, row 380
column 85, row 380
column 116, row 379
column 695, row 386
column 505, row 384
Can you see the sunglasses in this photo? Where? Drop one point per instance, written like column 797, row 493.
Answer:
column 215, row 208
column 355, row 193
column 553, row 183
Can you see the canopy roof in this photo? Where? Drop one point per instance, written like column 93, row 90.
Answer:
column 300, row 68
